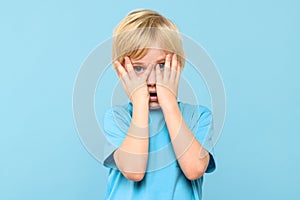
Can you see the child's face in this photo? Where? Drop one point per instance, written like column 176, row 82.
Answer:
column 154, row 57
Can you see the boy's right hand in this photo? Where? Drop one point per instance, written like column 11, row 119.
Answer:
column 134, row 86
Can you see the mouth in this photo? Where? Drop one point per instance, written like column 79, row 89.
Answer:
column 153, row 96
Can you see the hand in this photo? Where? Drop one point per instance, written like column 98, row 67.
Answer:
column 134, row 86
column 167, row 81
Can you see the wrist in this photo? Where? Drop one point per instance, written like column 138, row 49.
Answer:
column 140, row 96
column 140, row 113
column 140, row 103
column 169, row 104
column 170, row 107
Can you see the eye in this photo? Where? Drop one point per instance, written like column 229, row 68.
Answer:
column 138, row 69
column 161, row 66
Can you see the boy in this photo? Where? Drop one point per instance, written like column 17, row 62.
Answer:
column 158, row 152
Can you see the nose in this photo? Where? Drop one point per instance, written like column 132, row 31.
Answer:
column 152, row 77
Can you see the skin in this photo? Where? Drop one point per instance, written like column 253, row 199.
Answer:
column 192, row 157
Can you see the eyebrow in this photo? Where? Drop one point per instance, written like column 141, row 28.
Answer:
column 141, row 63
column 137, row 63
column 161, row 60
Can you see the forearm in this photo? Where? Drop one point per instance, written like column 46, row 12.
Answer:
column 192, row 157
column 132, row 156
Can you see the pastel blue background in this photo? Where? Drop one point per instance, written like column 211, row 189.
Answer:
column 255, row 45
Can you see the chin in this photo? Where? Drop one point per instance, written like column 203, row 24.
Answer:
column 154, row 105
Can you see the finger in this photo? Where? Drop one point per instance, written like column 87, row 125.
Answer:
column 129, row 67
column 178, row 73
column 147, row 72
column 174, row 67
column 158, row 74
column 166, row 73
column 120, row 69
column 123, row 75
column 174, row 62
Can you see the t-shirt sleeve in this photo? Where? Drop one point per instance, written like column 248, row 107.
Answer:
column 202, row 127
column 115, row 124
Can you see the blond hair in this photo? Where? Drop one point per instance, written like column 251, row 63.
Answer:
column 141, row 29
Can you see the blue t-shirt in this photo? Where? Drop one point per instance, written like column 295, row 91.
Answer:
column 164, row 178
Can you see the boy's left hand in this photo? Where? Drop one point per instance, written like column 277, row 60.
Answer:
column 167, row 81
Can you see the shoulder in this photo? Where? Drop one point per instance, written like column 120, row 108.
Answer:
column 119, row 114
column 194, row 110
column 119, row 111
